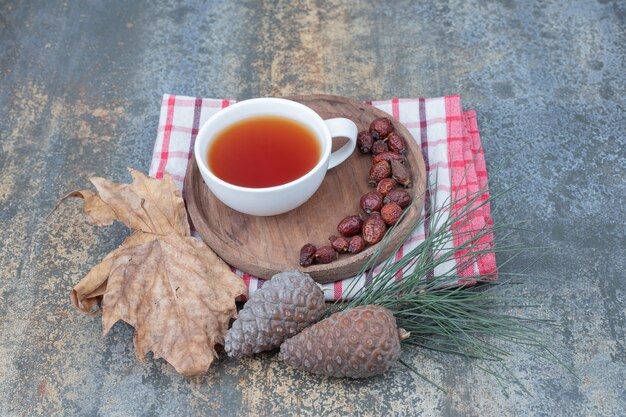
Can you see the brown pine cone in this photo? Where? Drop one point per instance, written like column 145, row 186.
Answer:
column 283, row 307
column 355, row 343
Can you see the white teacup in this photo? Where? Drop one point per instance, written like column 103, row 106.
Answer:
column 282, row 198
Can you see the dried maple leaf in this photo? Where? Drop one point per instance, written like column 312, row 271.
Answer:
column 173, row 289
column 147, row 204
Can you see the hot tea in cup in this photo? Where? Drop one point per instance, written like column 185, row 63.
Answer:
column 263, row 151
column 267, row 156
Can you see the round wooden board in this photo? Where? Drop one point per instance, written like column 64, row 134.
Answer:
column 264, row 246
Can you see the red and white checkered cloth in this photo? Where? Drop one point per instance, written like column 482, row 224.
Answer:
column 452, row 152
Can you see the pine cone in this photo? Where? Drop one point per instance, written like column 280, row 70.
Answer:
column 356, row 343
column 283, row 307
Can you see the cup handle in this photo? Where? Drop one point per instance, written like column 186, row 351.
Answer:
column 341, row 127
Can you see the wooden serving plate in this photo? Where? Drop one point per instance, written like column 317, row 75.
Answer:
column 264, row 246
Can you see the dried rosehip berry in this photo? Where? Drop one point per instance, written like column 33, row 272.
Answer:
column 307, row 254
column 364, row 142
column 391, row 213
column 379, row 146
column 325, row 255
column 357, row 244
column 350, row 225
column 371, row 201
column 379, row 171
column 380, row 128
column 385, row 185
column 374, row 228
column 396, row 142
column 401, row 197
column 400, row 173
column 339, row 244
column 387, row 156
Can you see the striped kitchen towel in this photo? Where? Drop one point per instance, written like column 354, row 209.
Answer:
column 452, row 151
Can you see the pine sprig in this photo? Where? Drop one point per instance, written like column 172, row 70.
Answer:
column 472, row 321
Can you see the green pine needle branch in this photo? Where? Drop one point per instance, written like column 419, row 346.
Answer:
column 473, row 321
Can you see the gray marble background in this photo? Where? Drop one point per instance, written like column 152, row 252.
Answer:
column 80, row 95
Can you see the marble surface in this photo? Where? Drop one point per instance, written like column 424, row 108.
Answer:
column 80, row 94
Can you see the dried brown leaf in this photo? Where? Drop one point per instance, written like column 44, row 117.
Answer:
column 178, row 295
column 173, row 289
column 87, row 294
column 146, row 204
column 97, row 211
